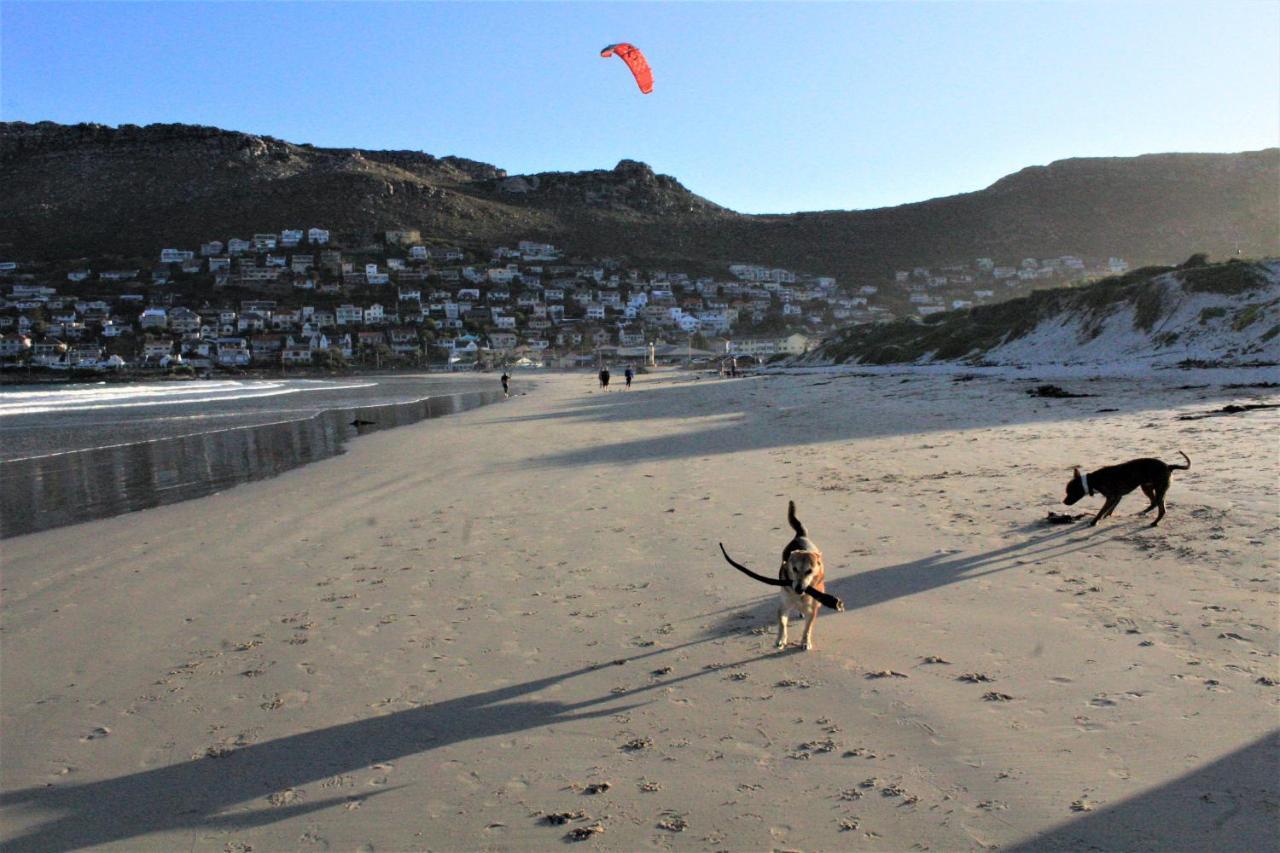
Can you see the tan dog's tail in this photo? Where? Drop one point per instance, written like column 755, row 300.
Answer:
column 795, row 522
column 820, row 595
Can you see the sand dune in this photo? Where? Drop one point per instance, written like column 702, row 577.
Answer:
column 512, row 629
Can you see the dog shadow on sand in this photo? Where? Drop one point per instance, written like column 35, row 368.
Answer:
column 871, row 587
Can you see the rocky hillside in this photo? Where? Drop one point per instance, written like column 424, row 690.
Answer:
column 1198, row 313
column 92, row 190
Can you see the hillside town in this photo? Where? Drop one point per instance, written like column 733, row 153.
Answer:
column 299, row 299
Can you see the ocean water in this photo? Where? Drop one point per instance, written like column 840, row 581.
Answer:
column 70, row 453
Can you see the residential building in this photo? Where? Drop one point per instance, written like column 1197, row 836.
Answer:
column 266, row 349
column 153, row 318
column 154, row 349
column 793, row 344
column 251, row 321
column 233, row 352
column 503, row 341
column 404, row 341
column 183, row 321
column 13, row 346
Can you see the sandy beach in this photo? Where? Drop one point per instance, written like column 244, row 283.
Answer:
column 512, row 629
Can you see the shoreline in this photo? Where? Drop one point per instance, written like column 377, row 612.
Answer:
column 520, row 611
column 48, row 376
column 72, row 486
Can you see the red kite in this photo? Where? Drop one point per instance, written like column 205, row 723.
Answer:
column 635, row 60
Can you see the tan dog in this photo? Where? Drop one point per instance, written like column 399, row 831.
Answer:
column 801, row 568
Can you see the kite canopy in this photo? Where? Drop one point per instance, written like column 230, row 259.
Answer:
column 635, row 60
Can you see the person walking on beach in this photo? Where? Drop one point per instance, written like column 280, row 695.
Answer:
column 506, row 384
column 628, row 375
column 604, row 378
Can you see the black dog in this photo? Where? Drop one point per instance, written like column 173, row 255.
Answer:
column 1115, row 481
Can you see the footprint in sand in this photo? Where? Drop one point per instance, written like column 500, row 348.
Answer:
column 382, row 779
column 285, row 797
column 1084, row 724
column 339, row 781
column 287, row 699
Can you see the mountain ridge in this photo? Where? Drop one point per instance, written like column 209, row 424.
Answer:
column 90, row 189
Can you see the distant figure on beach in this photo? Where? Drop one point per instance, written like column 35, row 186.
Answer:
column 733, row 368
column 628, row 375
column 506, row 384
column 604, row 378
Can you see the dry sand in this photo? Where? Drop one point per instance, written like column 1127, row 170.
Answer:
column 463, row 626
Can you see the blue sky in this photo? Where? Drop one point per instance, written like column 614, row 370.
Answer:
column 762, row 107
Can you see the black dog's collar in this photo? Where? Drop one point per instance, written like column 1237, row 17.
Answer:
column 1084, row 483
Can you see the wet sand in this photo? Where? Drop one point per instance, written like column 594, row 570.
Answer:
column 512, row 628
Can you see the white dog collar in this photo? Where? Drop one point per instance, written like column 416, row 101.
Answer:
column 1084, row 482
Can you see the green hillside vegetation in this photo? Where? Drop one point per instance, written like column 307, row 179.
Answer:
column 971, row 333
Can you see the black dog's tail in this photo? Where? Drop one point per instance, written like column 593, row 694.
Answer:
column 1181, row 467
column 795, row 522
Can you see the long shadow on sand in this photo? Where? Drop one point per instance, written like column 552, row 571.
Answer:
column 741, row 415
column 1229, row 804
column 886, row 583
column 195, row 794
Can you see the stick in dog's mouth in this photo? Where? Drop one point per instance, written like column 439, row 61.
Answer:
column 818, row 595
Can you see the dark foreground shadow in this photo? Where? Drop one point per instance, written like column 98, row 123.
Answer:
column 199, row 793
column 1232, row 804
